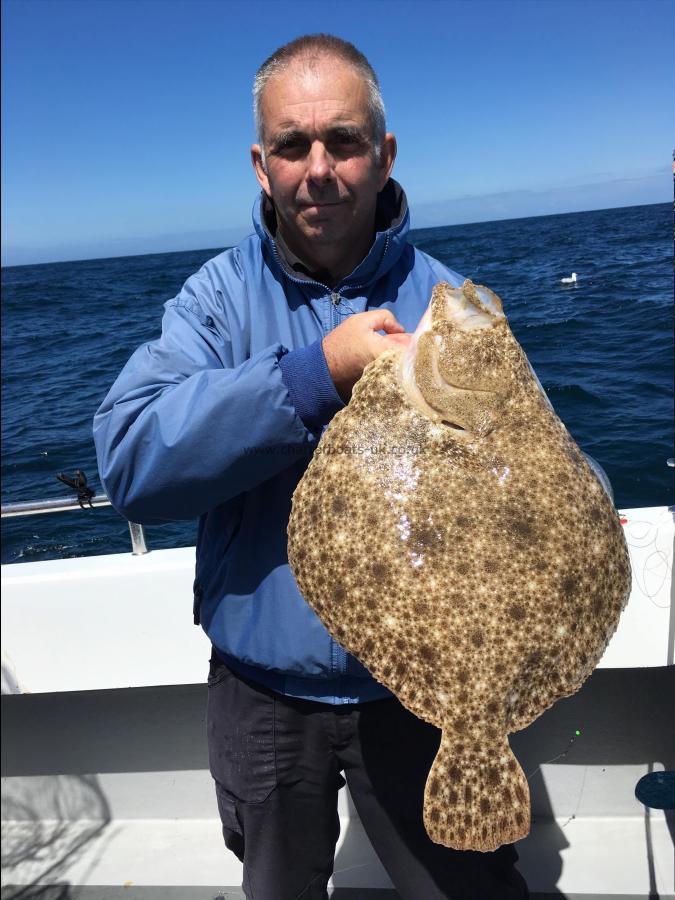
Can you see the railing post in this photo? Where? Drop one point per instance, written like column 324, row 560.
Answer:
column 138, row 545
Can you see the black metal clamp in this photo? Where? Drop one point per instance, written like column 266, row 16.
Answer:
column 78, row 482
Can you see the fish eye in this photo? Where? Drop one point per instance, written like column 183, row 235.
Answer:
column 453, row 425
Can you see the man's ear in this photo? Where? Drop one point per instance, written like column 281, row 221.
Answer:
column 387, row 157
column 259, row 168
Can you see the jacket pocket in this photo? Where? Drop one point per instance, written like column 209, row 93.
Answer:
column 217, row 533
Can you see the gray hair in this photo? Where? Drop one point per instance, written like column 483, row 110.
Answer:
column 312, row 46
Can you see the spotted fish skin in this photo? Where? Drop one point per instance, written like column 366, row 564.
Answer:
column 450, row 534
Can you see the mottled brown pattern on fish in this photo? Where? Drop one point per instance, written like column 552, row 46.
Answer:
column 487, row 567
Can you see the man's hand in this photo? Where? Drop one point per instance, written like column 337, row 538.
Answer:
column 353, row 344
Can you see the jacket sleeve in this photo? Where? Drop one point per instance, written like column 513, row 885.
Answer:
column 183, row 429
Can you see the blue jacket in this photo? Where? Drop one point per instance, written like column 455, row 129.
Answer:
column 218, row 418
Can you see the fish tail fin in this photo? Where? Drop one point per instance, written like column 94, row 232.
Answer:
column 476, row 796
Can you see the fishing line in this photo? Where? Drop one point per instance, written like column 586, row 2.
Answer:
column 567, row 749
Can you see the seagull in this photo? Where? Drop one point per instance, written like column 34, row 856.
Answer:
column 570, row 280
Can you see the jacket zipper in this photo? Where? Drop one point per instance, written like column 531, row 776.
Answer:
column 335, row 296
column 340, row 654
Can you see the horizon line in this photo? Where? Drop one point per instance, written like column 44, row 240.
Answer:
column 57, row 262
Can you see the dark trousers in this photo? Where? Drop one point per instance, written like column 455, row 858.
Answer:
column 277, row 764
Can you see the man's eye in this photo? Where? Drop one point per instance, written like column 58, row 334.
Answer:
column 347, row 143
column 290, row 145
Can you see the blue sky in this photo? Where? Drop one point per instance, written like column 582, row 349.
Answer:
column 127, row 123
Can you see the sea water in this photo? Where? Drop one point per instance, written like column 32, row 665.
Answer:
column 602, row 347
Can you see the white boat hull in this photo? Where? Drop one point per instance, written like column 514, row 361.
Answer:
column 105, row 779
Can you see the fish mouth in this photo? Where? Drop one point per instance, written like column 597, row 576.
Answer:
column 470, row 307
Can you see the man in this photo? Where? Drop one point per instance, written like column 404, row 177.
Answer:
column 217, row 420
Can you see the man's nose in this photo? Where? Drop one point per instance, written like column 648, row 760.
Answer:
column 320, row 163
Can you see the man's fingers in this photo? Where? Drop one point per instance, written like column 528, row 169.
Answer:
column 384, row 320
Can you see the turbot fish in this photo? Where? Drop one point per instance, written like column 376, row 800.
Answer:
column 477, row 567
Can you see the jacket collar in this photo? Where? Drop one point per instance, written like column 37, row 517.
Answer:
column 392, row 222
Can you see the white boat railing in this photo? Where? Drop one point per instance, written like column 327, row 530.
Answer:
column 56, row 504
column 68, row 504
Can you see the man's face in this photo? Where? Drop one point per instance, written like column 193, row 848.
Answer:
column 321, row 170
